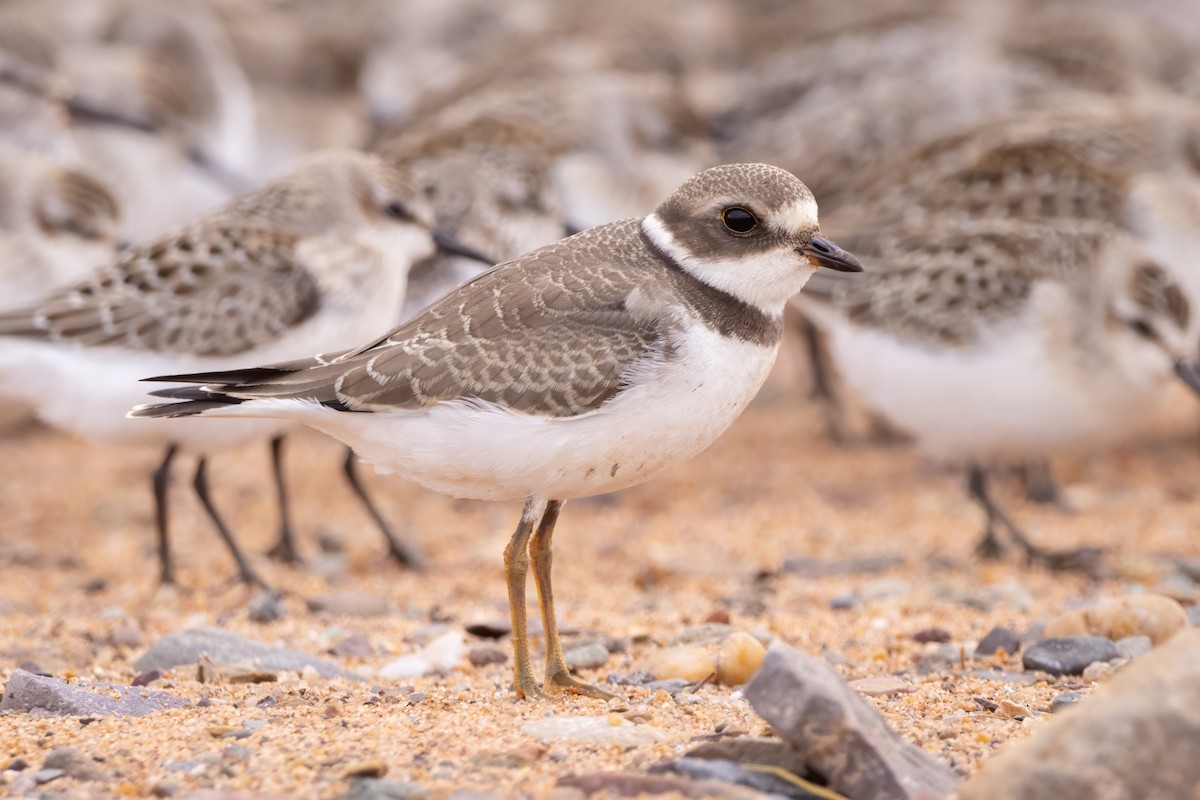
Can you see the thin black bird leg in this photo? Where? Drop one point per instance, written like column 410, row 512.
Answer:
column 284, row 549
column 200, row 484
column 1083, row 559
column 160, row 481
column 398, row 549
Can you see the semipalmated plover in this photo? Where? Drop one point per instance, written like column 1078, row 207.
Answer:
column 315, row 260
column 582, row 367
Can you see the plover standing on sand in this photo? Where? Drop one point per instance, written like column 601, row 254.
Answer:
column 582, row 367
column 315, row 260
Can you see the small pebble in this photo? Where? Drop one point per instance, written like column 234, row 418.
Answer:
column 265, row 606
column 843, row 602
column 718, row 615
column 996, row 640
column 482, row 655
column 374, row 768
column 931, row 635
column 1068, row 655
column 588, row 656
column 17, row 765
column 1064, row 700
column 148, row 677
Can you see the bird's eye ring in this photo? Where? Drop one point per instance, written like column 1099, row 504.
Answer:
column 739, row 220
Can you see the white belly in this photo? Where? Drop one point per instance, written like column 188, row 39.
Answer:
column 1006, row 399
column 484, row 452
column 87, row 391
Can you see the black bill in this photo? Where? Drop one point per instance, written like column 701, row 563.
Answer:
column 825, row 253
column 450, row 246
column 1187, row 372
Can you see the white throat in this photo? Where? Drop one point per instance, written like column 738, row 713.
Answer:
column 763, row 280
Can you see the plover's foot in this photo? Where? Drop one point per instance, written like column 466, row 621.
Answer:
column 561, row 682
column 284, row 552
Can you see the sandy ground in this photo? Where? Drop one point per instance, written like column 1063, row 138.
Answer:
column 79, row 560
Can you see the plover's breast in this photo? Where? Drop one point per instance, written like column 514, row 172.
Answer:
column 672, row 410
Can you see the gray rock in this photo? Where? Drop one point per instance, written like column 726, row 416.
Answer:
column 1064, row 700
column 185, row 647
column 382, row 789
column 266, row 606
column 28, row 692
column 1132, row 647
column 1135, row 737
column 1193, row 615
column 74, row 764
column 998, row 639
column 1068, row 655
column 840, row 735
column 588, row 656
column 733, row 773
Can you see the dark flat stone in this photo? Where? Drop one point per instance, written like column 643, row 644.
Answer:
column 1068, row 655
column 998, row 639
column 28, row 692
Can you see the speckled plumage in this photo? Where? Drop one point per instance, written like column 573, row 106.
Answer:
column 235, row 281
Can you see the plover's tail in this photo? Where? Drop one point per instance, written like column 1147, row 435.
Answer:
column 220, row 393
